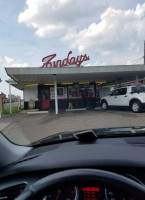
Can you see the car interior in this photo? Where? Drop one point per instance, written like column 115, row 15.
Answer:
column 101, row 167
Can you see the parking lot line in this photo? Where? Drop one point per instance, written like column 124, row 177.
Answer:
column 41, row 117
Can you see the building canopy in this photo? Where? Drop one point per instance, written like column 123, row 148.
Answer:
column 38, row 75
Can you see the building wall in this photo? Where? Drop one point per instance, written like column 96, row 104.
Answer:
column 31, row 93
column 64, row 97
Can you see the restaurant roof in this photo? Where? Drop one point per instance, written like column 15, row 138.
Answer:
column 38, row 75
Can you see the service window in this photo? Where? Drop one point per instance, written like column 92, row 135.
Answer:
column 61, row 92
column 86, row 90
column 82, row 90
column 73, row 91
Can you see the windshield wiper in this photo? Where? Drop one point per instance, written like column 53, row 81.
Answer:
column 123, row 131
column 91, row 135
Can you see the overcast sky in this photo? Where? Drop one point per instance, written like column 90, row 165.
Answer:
column 109, row 31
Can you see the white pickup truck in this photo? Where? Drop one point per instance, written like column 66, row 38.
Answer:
column 129, row 96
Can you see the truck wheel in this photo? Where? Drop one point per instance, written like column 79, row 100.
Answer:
column 136, row 106
column 104, row 105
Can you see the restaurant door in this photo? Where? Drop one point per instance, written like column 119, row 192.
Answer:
column 45, row 96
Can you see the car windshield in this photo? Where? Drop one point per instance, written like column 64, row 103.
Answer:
column 70, row 68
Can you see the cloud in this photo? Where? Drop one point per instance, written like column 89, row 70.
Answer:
column 4, row 86
column 57, row 17
column 112, row 35
column 96, row 63
column 116, row 29
column 10, row 62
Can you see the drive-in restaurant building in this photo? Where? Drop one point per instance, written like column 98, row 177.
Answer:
column 66, row 84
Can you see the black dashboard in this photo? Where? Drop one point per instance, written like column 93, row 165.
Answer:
column 123, row 156
column 86, row 191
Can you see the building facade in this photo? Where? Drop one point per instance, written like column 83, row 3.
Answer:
column 70, row 87
column 70, row 95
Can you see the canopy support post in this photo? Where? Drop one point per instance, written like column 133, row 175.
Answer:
column 55, row 92
column 10, row 99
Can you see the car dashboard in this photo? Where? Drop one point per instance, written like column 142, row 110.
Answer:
column 124, row 156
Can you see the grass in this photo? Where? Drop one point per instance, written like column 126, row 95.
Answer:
column 14, row 110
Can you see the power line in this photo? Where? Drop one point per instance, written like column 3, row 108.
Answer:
column 139, row 60
column 136, row 60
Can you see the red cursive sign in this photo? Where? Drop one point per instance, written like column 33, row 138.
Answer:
column 65, row 62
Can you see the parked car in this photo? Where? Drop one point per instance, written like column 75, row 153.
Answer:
column 131, row 96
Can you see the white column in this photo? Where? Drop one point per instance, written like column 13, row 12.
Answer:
column 136, row 79
column 10, row 99
column 19, row 102
column 55, row 92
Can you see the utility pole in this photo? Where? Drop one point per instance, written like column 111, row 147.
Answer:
column 144, row 52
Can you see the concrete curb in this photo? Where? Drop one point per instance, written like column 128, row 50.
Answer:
column 76, row 109
column 37, row 112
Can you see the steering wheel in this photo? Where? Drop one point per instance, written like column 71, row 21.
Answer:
column 79, row 177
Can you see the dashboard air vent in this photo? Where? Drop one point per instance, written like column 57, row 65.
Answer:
column 12, row 192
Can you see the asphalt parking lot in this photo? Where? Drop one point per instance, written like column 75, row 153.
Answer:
column 38, row 126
